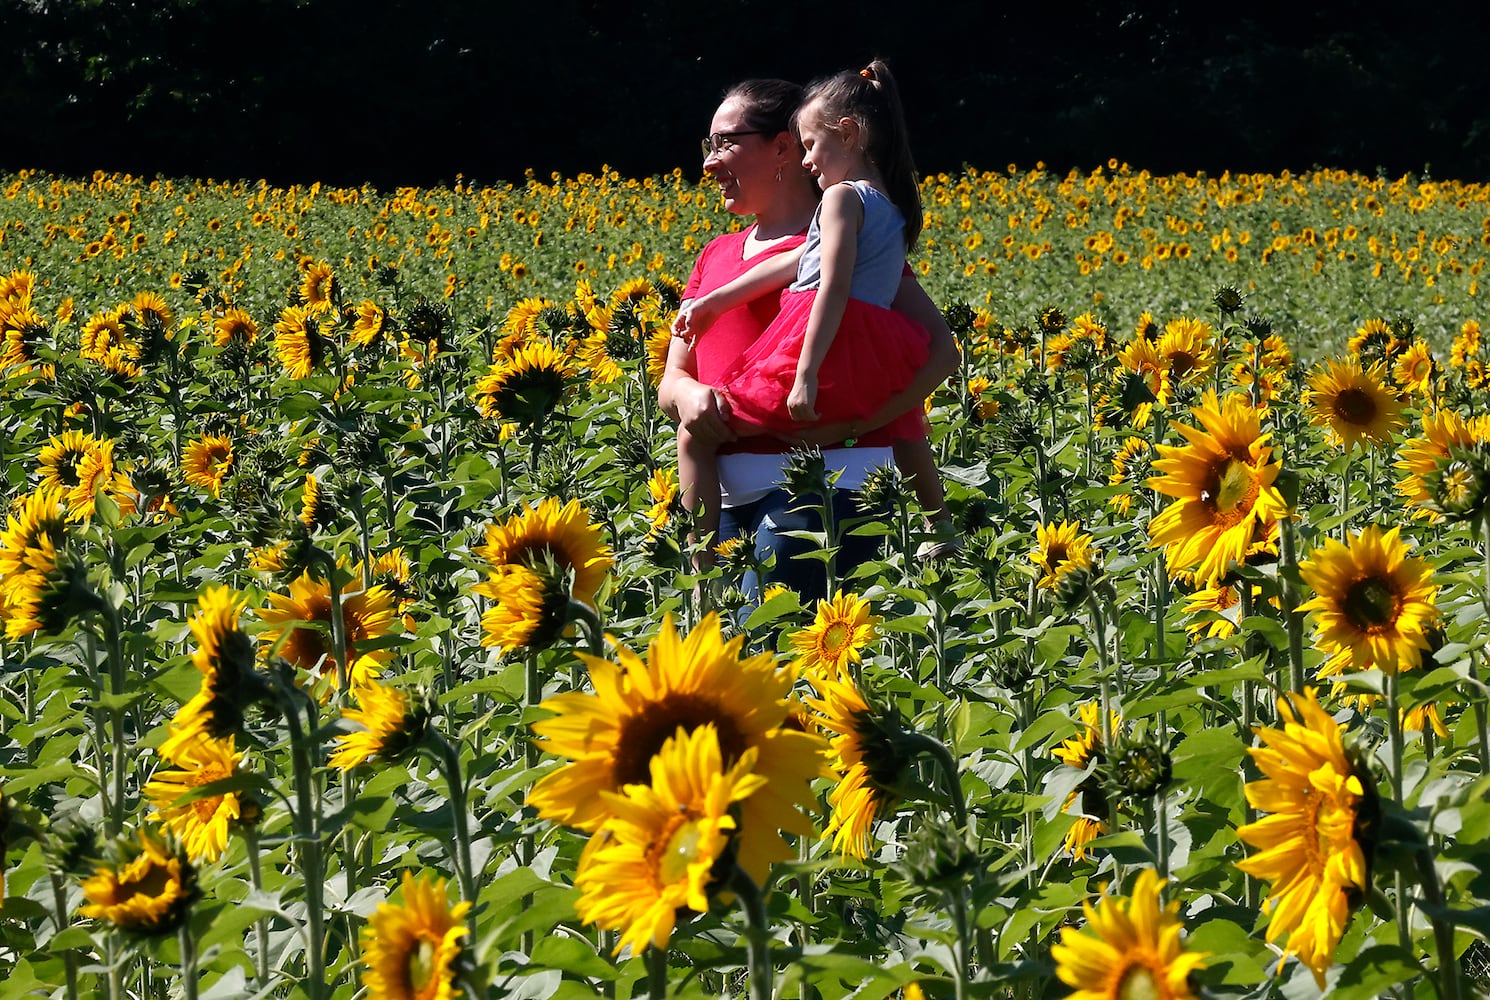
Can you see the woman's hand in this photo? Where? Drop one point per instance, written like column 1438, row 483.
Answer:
column 703, row 413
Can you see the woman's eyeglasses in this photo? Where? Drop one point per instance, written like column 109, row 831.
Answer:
column 718, row 142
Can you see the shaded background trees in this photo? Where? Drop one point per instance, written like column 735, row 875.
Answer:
column 406, row 92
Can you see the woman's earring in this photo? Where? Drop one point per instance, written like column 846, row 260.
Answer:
column 778, row 175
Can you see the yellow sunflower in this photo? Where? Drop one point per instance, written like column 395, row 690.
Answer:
column 1188, row 351
column 1088, row 799
column 318, row 287
column 1414, row 370
column 147, row 893
column 1140, row 357
column 610, row 735
column 225, row 657
column 657, row 851
column 1133, row 451
column 1373, row 338
column 659, row 341
column 1372, row 600
column 1420, row 457
column 1354, row 403
column 207, row 462
column 663, row 489
column 105, row 332
column 151, row 308
column 529, row 608
column 1130, row 948
column 1060, row 549
column 526, row 386
column 389, row 726
column 298, row 342
column 235, row 326
column 202, row 825
column 1222, row 485
column 304, row 616
column 1316, row 798
column 522, row 318
column 369, row 326
column 61, row 456
column 866, row 762
column 839, row 632
column 411, row 948
column 16, row 288
column 22, row 330
column 563, row 533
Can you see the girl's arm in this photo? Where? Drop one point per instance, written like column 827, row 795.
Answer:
column 841, row 215
column 771, row 275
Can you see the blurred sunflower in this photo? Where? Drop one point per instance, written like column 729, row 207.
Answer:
column 563, row 533
column 412, row 949
column 1222, row 485
column 207, row 462
column 298, row 342
column 1354, row 403
column 147, row 892
column 22, row 331
column 303, row 617
column 611, row 735
column 103, row 333
column 235, row 326
column 868, row 761
column 527, row 386
column 96, row 473
column 657, row 852
column 202, row 825
column 1372, row 600
column 36, row 591
column 840, row 630
column 61, row 456
column 390, row 727
column 1373, row 340
column 1060, row 549
column 659, row 341
column 1130, row 948
column 1319, row 803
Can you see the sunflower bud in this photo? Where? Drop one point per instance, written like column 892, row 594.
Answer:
column 938, row 859
column 806, row 474
column 71, row 847
column 960, row 317
column 883, row 490
column 1458, row 484
column 1052, row 320
column 1141, row 767
column 1228, row 299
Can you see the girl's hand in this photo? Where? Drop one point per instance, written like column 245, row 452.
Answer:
column 801, row 403
column 695, row 319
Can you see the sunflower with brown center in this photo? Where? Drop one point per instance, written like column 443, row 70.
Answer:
column 147, row 892
column 551, row 531
column 1354, row 403
column 303, row 619
column 412, row 949
column 1372, row 600
column 609, row 736
column 837, row 637
column 1060, row 549
column 207, row 462
column 1222, row 485
column 202, row 825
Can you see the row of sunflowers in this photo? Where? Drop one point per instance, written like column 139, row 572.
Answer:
column 352, row 640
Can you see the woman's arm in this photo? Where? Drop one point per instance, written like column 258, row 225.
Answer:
column 773, row 274
column 839, row 219
column 696, row 407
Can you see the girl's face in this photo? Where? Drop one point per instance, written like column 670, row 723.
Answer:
column 743, row 164
column 831, row 155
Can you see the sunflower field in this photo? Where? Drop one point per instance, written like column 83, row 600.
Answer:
column 352, row 645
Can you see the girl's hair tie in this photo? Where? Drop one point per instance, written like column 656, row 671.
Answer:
column 867, row 73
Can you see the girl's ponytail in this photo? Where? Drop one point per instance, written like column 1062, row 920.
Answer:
column 869, row 96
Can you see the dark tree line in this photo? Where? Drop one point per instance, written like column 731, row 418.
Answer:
column 417, row 91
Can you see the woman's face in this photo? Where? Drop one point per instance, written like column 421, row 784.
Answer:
column 744, row 166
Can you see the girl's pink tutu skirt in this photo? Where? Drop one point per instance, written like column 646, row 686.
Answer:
column 874, row 356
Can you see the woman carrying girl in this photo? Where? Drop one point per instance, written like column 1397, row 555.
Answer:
column 835, row 352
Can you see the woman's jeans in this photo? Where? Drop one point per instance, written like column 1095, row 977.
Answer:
column 767, row 521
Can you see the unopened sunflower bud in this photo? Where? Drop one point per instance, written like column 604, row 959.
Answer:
column 1229, row 300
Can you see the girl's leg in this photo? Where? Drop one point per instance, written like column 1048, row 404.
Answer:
column 916, row 462
column 698, row 480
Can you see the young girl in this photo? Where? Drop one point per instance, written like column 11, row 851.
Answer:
column 800, row 371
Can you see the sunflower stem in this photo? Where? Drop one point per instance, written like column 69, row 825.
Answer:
column 1443, row 931
column 307, row 836
column 338, row 622
column 1292, row 619
column 957, row 906
column 90, row 642
column 449, row 761
column 188, row 945
column 69, row 957
column 657, row 973
column 114, row 650
column 532, row 695
column 261, row 926
column 762, row 974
